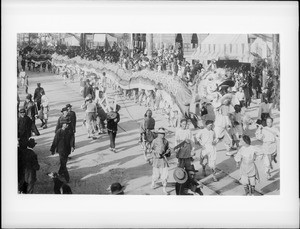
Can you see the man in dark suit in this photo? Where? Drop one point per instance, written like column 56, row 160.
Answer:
column 30, row 166
column 37, row 96
column 64, row 144
column 60, row 120
column 31, row 112
column 24, row 128
column 72, row 115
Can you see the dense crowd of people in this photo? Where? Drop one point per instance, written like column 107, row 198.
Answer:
column 102, row 116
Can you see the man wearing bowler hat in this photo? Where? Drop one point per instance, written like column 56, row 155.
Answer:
column 38, row 95
column 61, row 119
column 31, row 111
column 63, row 143
column 24, row 128
column 72, row 115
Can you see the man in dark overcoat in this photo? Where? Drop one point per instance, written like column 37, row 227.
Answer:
column 31, row 112
column 37, row 96
column 24, row 128
column 72, row 116
column 63, row 143
column 61, row 119
column 30, row 165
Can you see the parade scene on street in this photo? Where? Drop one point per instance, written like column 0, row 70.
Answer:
column 148, row 114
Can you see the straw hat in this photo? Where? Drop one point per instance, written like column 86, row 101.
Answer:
column 180, row 175
column 161, row 130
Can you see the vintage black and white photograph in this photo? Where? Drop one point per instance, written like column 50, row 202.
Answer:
column 179, row 114
column 148, row 114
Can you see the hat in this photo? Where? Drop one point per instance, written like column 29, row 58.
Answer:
column 183, row 120
column 88, row 97
column 209, row 122
column 31, row 143
column 259, row 122
column 247, row 139
column 112, row 115
column 161, row 130
column 22, row 110
column 118, row 107
column 191, row 168
column 116, row 188
column 68, row 105
column 227, row 83
column 180, row 175
column 64, row 109
column 39, row 84
column 28, row 96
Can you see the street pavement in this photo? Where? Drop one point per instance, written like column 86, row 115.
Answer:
column 93, row 167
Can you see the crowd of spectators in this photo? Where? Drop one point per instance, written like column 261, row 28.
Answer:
column 170, row 60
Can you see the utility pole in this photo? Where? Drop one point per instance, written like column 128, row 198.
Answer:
column 149, row 45
column 275, row 41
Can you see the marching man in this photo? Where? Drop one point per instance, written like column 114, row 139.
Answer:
column 208, row 154
column 185, row 152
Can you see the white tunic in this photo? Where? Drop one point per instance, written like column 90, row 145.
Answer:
column 206, row 137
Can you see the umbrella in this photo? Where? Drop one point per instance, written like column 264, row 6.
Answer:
column 229, row 83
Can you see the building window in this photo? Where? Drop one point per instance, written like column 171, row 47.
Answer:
column 224, row 48
column 243, row 48
column 230, row 47
column 214, row 48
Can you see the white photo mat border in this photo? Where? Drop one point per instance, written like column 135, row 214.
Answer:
column 152, row 211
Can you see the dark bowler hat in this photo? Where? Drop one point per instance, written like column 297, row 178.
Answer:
column 31, row 143
column 22, row 110
column 116, row 188
column 28, row 96
column 209, row 122
column 64, row 109
column 68, row 105
column 191, row 168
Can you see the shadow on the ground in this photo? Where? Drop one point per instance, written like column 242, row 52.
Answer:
column 274, row 186
column 98, row 180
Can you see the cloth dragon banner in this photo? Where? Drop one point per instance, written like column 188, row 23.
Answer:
column 126, row 79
